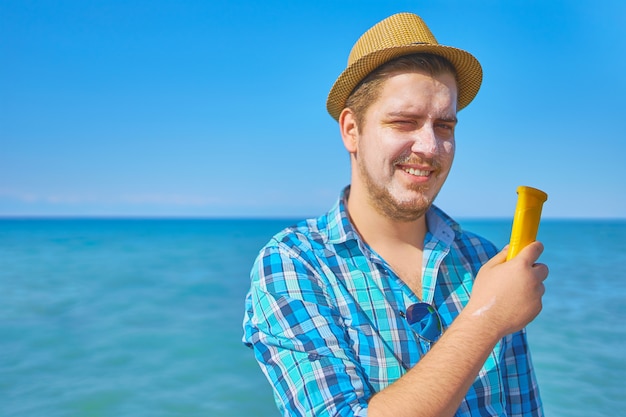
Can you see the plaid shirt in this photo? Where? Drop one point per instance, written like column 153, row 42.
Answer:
column 325, row 317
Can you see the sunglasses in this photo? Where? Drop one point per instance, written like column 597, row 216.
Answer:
column 424, row 321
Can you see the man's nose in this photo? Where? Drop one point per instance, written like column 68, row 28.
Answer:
column 425, row 141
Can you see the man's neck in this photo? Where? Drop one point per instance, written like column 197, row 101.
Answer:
column 399, row 243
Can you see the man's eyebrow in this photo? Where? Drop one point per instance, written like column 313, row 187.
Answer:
column 452, row 119
column 409, row 114
column 401, row 113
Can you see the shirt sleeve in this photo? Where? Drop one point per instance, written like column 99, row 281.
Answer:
column 520, row 383
column 299, row 340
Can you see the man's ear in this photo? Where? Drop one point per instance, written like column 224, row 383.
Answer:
column 349, row 130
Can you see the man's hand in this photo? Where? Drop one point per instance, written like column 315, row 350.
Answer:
column 507, row 294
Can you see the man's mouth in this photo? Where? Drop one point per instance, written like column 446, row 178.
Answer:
column 417, row 172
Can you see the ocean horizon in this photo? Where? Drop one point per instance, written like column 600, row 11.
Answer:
column 141, row 316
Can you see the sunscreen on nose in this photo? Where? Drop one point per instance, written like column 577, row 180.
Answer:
column 526, row 220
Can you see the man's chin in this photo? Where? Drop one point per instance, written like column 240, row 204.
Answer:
column 406, row 211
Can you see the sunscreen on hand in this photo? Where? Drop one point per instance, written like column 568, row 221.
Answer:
column 526, row 220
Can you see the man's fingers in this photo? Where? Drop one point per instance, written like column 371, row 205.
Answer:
column 542, row 270
column 531, row 252
column 500, row 257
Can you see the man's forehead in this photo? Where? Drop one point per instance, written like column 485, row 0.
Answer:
column 412, row 92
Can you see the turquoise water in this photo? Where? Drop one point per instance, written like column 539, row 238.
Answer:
column 143, row 317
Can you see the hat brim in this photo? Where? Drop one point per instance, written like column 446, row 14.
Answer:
column 469, row 73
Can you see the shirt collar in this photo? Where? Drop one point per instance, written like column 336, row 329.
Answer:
column 442, row 226
column 339, row 226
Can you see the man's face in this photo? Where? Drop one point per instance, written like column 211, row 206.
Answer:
column 405, row 145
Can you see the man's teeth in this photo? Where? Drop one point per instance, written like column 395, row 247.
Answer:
column 417, row 172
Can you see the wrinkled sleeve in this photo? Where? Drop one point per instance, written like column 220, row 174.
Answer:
column 299, row 339
column 519, row 378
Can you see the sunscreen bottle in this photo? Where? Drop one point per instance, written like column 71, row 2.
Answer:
column 526, row 220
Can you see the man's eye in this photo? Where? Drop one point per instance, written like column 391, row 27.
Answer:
column 404, row 123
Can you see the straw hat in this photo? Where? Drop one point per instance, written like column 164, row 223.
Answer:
column 397, row 35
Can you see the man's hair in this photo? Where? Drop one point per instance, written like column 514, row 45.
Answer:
column 368, row 90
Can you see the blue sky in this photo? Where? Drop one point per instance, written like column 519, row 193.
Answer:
column 202, row 108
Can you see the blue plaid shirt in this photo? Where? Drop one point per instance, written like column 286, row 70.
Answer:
column 325, row 317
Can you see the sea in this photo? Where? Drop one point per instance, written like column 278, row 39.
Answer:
column 143, row 317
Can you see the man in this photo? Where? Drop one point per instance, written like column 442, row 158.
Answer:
column 366, row 310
